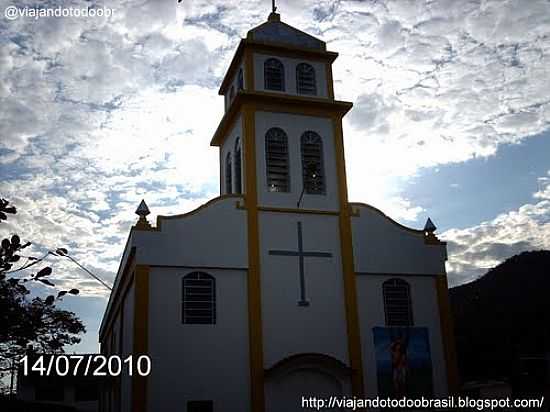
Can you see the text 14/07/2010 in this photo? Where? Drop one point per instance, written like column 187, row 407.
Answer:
column 85, row 365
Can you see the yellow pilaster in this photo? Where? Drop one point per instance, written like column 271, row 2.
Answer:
column 447, row 332
column 254, row 285
column 141, row 334
column 348, row 269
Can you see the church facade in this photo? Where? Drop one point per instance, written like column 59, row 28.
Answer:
column 280, row 288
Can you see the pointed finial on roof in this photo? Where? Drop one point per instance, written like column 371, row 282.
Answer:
column 429, row 236
column 429, row 226
column 142, row 211
column 273, row 7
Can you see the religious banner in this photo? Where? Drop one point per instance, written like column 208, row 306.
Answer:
column 403, row 361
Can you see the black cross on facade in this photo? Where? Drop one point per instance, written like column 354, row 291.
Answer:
column 301, row 255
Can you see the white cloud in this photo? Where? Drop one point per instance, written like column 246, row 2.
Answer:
column 438, row 82
column 97, row 113
column 474, row 250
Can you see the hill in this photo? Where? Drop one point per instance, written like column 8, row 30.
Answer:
column 503, row 318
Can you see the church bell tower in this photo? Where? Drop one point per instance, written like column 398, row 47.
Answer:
column 281, row 148
column 281, row 79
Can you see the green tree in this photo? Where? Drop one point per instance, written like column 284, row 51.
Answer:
column 30, row 323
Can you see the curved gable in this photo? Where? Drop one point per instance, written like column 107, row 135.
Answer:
column 212, row 235
column 381, row 245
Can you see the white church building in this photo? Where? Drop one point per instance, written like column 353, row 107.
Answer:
column 280, row 288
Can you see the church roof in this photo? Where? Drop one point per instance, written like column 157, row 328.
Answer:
column 274, row 34
column 275, row 31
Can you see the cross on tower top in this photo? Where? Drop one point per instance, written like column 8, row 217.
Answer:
column 273, row 7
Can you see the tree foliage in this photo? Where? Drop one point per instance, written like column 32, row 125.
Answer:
column 28, row 322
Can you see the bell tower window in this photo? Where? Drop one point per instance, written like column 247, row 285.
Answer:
column 312, row 163
column 238, row 172
column 240, row 80
column 228, row 174
column 274, row 75
column 305, row 79
column 276, row 159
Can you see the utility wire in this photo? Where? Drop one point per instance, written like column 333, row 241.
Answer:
column 87, row 271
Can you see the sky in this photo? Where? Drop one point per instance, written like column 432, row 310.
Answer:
column 451, row 120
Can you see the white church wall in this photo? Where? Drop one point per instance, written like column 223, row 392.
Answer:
column 283, row 319
column 198, row 362
column 285, row 393
column 117, row 284
column 115, row 335
column 383, row 246
column 229, row 146
column 425, row 314
column 114, row 349
column 290, row 74
column 212, row 236
column 294, row 126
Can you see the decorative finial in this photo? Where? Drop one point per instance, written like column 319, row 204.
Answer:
column 142, row 211
column 429, row 235
column 273, row 7
column 429, row 227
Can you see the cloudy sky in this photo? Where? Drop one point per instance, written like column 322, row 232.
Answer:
column 451, row 120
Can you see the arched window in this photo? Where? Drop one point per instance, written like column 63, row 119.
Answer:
column 198, row 298
column 240, row 80
column 305, row 79
column 276, row 160
column 397, row 303
column 312, row 163
column 274, row 75
column 228, row 174
column 238, row 172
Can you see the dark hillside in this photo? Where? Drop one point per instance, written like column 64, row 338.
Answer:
column 502, row 319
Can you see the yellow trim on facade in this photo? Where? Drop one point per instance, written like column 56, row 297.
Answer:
column 141, row 334
column 277, row 102
column 285, row 50
column 305, row 211
column 447, row 333
column 348, row 269
column 330, row 82
column 254, row 284
column 274, row 49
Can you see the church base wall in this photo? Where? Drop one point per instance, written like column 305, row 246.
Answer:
column 193, row 362
column 376, row 337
